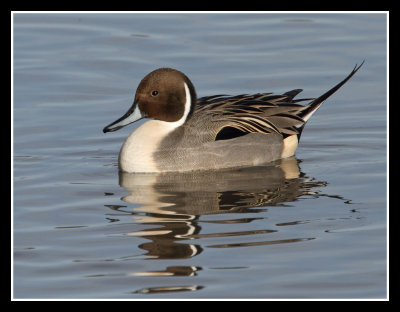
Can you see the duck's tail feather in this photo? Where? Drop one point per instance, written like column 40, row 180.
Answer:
column 311, row 108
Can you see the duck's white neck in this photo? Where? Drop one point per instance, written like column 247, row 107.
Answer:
column 136, row 153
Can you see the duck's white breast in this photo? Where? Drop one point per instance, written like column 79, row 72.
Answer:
column 136, row 154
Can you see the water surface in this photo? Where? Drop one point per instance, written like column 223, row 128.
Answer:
column 312, row 226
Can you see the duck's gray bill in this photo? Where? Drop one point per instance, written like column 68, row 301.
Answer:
column 132, row 115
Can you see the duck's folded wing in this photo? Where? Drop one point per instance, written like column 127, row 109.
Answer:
column 258, row 113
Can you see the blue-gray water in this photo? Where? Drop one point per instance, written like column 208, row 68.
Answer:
column 313, row 226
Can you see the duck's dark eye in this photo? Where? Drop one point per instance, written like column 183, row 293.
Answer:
column 154, row 93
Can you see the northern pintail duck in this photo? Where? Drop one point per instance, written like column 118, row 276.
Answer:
column 187, row 133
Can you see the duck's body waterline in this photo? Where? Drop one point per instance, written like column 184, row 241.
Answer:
column 186, row 133
column 148, row 146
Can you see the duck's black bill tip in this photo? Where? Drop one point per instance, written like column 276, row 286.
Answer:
column 109, row 129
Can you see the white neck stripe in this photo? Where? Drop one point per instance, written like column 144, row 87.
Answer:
column 188, row 103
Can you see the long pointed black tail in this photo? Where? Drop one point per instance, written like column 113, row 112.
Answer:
column 310, row 108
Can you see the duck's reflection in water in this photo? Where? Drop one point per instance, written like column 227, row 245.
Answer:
column 174, row 203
